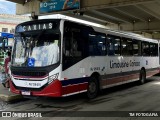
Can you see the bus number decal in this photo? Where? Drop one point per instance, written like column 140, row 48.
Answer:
column 95, row 69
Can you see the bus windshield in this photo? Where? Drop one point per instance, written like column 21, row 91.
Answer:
column 36, row 49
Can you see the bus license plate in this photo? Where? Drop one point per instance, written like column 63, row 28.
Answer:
column 26, row 93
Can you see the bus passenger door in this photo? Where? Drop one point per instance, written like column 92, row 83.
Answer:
column 75, row 44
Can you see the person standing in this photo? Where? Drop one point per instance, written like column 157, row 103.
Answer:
column 6, row 66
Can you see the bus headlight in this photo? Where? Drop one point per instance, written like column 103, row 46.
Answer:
column 52, row 78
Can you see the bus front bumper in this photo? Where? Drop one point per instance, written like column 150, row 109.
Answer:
column 52, row 90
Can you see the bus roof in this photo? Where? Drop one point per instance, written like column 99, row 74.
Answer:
column 98, row 27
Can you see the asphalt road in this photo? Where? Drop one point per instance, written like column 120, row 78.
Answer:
column 124, row 99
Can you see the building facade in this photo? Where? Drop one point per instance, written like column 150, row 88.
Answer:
column 8, row 22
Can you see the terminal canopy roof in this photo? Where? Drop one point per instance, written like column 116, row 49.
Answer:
column 19, row 1
column 129, row 15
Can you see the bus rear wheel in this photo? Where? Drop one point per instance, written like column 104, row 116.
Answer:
column 142, row 78
column 93, row 87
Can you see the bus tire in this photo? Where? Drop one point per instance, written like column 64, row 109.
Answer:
column 93, row 88
column 142, row 77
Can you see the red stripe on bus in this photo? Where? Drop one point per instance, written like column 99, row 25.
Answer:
column 83, row 86
column 120, row 79
column 74, row 88
column 13, row 89
column 52, row 90
column 150, row 73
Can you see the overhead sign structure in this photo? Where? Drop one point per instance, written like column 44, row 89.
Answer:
column 59, row 5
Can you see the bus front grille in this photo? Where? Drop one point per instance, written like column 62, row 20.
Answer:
column 26, row 73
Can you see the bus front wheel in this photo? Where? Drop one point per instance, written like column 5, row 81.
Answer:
column 142, row 78
column 92, row 90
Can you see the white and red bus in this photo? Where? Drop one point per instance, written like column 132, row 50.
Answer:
column 62, row 57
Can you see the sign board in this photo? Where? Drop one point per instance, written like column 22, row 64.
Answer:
column 59, row 5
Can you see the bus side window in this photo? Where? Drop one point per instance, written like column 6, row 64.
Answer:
column 154, row 49
column 97, row 44
column 67, row 43
column 66, row 47
column 127, row 47
column 136, row 47
column 145, row 49
column 76, row 50
column 113, row 43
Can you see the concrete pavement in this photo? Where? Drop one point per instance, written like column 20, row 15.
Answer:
column 5, row 94
column 8, row 96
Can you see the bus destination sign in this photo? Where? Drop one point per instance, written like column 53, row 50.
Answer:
column 33, row 27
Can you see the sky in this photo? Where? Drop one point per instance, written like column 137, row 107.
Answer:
column 7, row 7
